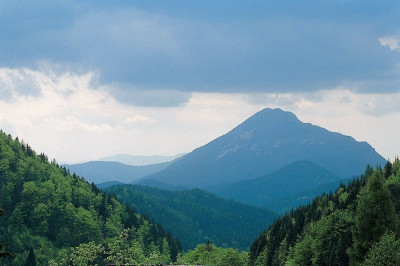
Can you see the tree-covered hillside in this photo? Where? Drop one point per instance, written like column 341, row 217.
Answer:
column 356, row 225
column 54, row 217
column 196, row 216
column 288, row 181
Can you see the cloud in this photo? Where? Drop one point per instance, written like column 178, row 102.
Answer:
column 16, row 83
column 148, row 97
column 137, row 118
column 205, row 46
column 391, row 41
column 6, row 94
column 71, row 121
column 79, row 79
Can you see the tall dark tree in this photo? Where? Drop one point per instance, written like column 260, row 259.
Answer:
column 375, row 214
column 174, row 247
column 31, row 260
column 387, row 170
column 2, row 252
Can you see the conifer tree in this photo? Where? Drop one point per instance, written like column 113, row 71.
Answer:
column 388, row 169
column 31, row 260
column 375, row 214
column 2, row 252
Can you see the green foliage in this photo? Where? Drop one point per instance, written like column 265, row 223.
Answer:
column 53, row 211
column 210, row 254
column 196, row 215
column 385, row 252
column 375, row 214
column 86, row 254
column 322, row 241
column 339, row 226
column 303, row 252
column 31, row 260
column 2, row 252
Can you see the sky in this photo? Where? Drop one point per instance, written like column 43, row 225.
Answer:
column 81, row 80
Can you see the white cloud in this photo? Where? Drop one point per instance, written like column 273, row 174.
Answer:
column 17, row 83
column 71, row 121
column 391, row 41
column 137, row 118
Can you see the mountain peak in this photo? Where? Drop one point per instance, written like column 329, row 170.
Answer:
column 273, row 116
column 265, row 142
column 267, row 121
column 275, row 113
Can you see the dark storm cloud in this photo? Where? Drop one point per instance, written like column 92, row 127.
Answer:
column 211, row 46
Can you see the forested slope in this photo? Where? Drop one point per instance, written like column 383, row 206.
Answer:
column 196, row 216
column 358, row 224
column 59, row 218
column 287, row 181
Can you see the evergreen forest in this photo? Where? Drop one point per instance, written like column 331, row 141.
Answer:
column 55, row 218
column 196, row 216
column 356, row 225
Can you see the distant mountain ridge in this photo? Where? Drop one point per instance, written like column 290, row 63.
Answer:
column 100, row 172
column 267, row 141
column 137, row 160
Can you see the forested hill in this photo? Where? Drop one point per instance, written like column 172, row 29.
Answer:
column 196, row 216
column 288, row 181
column 358, row 224
column 54, row 217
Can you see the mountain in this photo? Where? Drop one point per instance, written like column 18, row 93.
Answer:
column 57, row 218
column 285, row 182
column 267, row 141
column 139, row 160
column 355, row 225
column 196, row 216
column 101, row 172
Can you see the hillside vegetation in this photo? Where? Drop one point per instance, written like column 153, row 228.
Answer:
column 197, row 216
column 356, row 225
column 53, row 217
column 288, row 182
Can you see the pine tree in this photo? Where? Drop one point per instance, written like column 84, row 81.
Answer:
column 375, row 214
column 31, row 260
column 2, row 252
column 387, row 169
